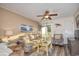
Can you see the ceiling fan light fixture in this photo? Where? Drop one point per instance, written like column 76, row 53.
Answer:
column 46, row 17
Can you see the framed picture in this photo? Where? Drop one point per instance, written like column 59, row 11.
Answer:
column 25, row 28
column 77, row 21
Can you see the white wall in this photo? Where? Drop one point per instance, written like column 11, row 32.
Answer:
column 67, row 27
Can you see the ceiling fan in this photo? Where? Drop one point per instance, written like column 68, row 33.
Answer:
column 47, row 15
column 57, row 25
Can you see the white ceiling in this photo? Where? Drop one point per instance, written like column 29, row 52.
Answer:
column 31, row 10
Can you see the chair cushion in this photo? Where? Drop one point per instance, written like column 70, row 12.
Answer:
column 58, row 36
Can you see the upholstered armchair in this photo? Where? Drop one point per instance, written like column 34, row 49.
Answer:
column 58, row 40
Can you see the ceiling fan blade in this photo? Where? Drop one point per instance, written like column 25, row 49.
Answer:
column 58, row 24
column 39, row 15
column 53, row 14
column 49, row 18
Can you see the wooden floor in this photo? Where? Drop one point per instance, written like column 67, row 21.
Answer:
column 58, row 51
column 55, row 51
